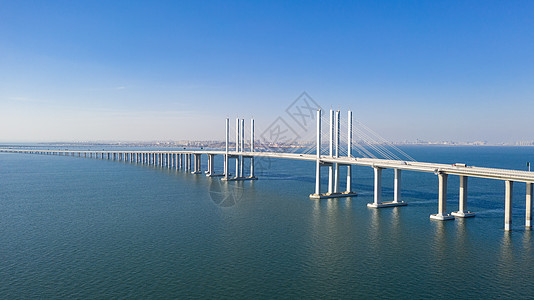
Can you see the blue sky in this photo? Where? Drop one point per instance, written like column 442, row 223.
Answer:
column 148, row 70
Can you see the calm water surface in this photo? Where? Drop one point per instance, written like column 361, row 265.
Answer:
column 86, row 228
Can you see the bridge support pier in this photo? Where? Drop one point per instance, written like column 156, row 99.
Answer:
column 508, row 195
column 377, row 203
column 197, row 167
column 528, row 206
column 442, row 200
column 209, row 171
column 211, row 167
column 333, row 178
column 462, row 201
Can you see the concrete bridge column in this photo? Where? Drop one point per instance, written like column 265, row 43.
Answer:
column 197, row 168
column 226, row 168
column 397, row 186
column 318, row 153
column 237, row 143
column 377, row 189
column 331, row 153
column 242, row 148
column 330, row 179
column 528, row 206
column 462, row 201
column 508, row 195
column 211, row 167
column 336, row 151
column 349, row 179
column 442, row 200
column 252, row 148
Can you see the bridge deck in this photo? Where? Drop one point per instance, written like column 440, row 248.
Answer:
column 471, row 171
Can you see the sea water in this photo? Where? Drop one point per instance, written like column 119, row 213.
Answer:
column 89, row 228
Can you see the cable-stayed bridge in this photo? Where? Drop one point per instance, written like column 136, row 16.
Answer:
column 333, row 149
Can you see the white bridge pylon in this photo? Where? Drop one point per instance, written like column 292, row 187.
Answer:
column 334, row 151
column 333, row 167
column 240, row 155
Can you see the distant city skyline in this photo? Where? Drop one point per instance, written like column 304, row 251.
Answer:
column 174, row 70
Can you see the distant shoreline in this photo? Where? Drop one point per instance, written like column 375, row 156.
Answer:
column 221, row 145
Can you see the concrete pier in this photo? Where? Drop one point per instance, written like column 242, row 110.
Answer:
column 336, row 152
column 442, row 200
column 333, row 168
column 226, row 155
column 252, row 148
column 349, row 152
column 197, row 168
column 397, row 186
column 331, row 153
column 318, row 157
column 508, row 195
column 462, row 201
column 378, row 203
column 528, row 206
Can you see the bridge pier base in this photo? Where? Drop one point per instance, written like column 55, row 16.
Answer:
column 378, row 192
column 197, row 168
column 333, row 195
column 442, row 214
column 462, row 201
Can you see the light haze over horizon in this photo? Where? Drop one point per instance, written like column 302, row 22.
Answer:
column 174, row 70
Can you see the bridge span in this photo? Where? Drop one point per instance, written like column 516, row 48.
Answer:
column 190, row 161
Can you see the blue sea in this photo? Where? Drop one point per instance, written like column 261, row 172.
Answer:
column 96, row 229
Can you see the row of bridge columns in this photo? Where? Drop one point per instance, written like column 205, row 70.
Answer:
column 240, row 155
column 442, row 215
column 462, row 212
column 377, row 200
column 508, row 195
column 333, row 168
column 187, row 161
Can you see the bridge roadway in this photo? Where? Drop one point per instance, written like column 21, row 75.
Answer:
column 436, row 168
column 183, row 159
